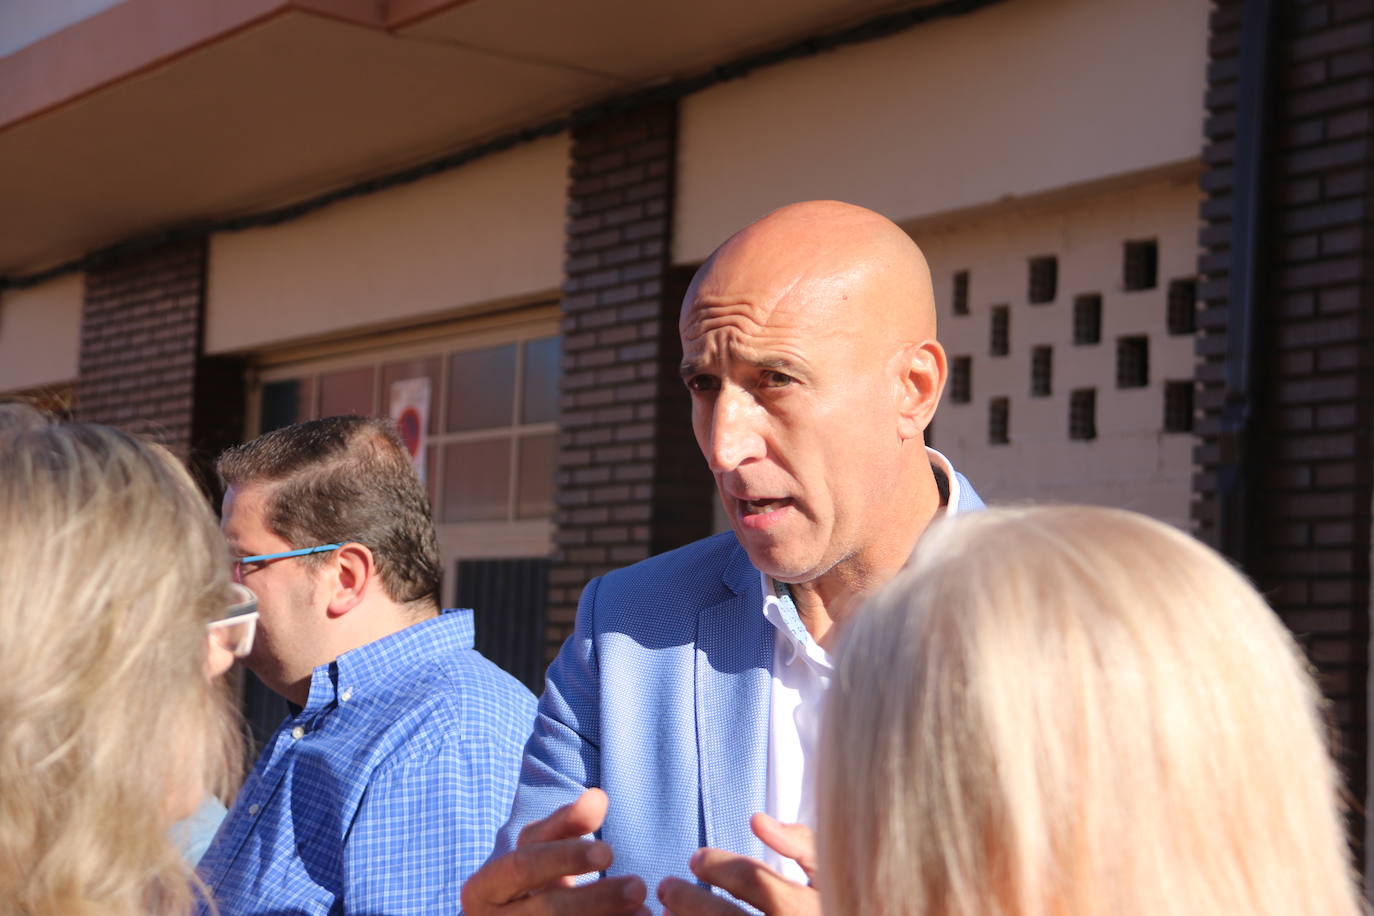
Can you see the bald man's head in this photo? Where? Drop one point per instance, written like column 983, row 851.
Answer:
column 828, row 244
column 808, row 345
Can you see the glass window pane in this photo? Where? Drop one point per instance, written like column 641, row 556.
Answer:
column 540, row 394
column 347, row 391
column 427, row 367
column 481, row 388
column 283, row 403
column 534, row 486
column 476, row 480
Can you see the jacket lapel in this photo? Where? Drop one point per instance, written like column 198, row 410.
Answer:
column 734, row 660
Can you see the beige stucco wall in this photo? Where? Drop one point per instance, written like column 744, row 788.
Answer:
column 1132, row 463
column 488, row 231
column 40, row 333
column 1017, row 99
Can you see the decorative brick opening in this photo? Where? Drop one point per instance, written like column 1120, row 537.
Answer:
column 999, row 421
column 1042, row 368
column 1087, row 319
column 1132, row 362
column 1140, row 267
column 1044, row 279
column 961, row 379
column 999, row 330
column 959, row 295
column 1182, row 308
column 1083, row 414
column 1178, row 406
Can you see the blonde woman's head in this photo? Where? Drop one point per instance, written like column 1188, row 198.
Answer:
column 110, row 567
column 1071, row 711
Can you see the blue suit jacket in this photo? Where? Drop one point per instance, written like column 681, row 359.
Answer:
column 661, row 697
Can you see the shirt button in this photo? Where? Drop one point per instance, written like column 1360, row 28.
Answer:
column 297, row 732
column 347, row 694
column 254, row 809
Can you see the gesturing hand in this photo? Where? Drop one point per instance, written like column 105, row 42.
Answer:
column 536, row 878
column 748, row 879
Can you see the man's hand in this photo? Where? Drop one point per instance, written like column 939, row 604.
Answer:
column 748, row 879
column 536, row 879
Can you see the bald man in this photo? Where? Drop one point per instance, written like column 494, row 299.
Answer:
column 680, row 720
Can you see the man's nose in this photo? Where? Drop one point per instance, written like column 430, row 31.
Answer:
column 735, row 435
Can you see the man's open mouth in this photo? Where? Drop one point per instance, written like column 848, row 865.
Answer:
column 763, row 506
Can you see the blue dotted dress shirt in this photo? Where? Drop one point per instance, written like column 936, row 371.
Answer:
column 384, row 793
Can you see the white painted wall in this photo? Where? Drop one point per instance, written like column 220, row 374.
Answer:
column 484, row 232
column 1020, row 98
column 1132, row 463
column 40, row 333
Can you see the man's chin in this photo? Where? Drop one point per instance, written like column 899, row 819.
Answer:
column 779, row 565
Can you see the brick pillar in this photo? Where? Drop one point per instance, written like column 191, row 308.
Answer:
column 630, row 480
column 1310, row 514
column 141, row 363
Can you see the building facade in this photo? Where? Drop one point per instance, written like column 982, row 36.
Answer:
column 1147, row 225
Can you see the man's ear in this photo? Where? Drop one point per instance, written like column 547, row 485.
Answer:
column 921, row 380
column 353, row 573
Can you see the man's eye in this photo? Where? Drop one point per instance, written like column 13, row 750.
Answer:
column 703, row 383
column 773, row 379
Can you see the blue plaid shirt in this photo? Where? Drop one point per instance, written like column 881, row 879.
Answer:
column 384, row 793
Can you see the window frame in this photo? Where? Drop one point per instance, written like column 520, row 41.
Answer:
column 513, row 536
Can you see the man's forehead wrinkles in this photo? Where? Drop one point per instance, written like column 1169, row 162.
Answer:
column 742, row 316
column 727, row 347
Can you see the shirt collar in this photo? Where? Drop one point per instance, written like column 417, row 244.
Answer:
column 952, row 504
column 360, row 668
column 781, row 611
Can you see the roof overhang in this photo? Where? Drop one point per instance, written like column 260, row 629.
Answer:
column 158, row 113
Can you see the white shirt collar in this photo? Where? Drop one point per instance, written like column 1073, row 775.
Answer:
column 938, row 460
column 781, row 612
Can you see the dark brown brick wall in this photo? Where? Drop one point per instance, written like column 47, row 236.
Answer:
column 141, row 365
column 1313, row 459
column 630, row 481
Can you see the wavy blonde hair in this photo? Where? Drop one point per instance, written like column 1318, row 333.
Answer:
column 110, row 566
column 1071, row 711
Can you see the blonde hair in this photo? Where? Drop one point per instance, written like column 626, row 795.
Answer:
column 110, row 566
column 1075, row 711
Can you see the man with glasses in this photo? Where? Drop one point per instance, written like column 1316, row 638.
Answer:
column 383, row 789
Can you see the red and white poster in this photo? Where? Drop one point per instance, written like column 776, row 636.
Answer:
column 410, row 410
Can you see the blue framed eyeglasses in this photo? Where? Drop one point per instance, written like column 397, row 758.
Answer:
column 242, row 562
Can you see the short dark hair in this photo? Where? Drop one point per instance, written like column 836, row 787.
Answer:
column 346, row 478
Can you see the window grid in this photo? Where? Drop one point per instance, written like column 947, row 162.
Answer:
column 1140, row 267
column 1044, row 279
column 1132, row 362
column 1178, row 406
column 1182, row 312
column 1087, row 319
column 961, row 379
column 1042, row 368
column 511, row 428
column 999, row 331
column 1083, row 414
column 959, row 299
column 999, row 421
